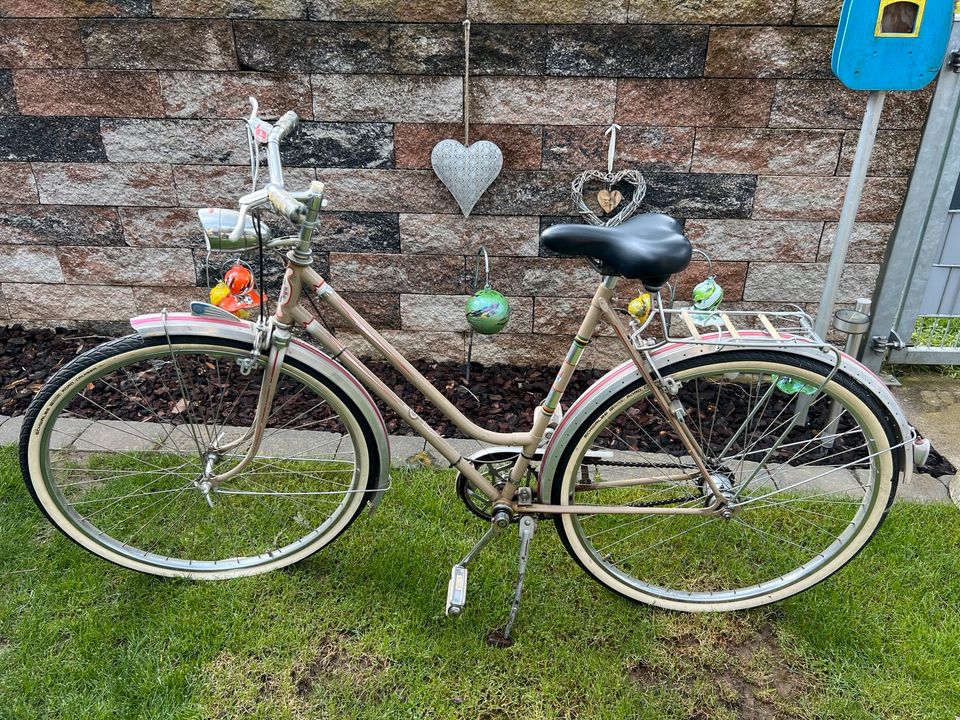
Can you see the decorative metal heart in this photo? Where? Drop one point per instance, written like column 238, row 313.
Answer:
column 466, row 171
column 631, row 177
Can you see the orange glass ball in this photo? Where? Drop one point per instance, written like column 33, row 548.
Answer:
column 238, row 279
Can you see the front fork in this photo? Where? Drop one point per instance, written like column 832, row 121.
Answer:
column 278, row 340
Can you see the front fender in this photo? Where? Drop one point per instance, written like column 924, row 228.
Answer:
column 210, row 326
column 627, row 374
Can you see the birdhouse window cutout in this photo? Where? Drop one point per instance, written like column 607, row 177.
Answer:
column 899, row 18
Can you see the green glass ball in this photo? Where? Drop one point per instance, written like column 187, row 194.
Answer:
column 487, row 311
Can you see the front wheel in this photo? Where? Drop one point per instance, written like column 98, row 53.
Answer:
column 801, row 499
column 116, row 446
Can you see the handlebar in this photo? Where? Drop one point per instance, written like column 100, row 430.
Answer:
column 275, row 192
column 285, row 204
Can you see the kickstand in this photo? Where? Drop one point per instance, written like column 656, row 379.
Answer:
column 502, row 639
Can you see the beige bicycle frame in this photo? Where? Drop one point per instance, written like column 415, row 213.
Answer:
column 300, row 277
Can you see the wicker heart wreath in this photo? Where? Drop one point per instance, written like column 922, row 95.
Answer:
column 609, row 180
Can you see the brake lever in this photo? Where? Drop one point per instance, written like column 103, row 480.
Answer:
column 247, row 203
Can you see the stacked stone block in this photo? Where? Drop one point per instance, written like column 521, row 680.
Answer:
column 119, row 117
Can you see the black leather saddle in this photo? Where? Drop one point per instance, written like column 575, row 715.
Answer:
column 649, row 247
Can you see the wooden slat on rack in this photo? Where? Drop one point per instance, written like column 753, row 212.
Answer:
column 770, row 328
column 691, row 326
column 730, row 326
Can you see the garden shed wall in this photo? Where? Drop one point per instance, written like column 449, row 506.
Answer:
column 120, row 117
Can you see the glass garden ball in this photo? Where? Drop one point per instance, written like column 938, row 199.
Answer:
column 487, row 311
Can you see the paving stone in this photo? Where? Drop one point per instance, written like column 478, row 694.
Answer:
column 820, row 198
column 354, row 145
column 28, row 264
column 519, row 350
column 785, row 281
column 317, row 47
column 828, row 104
column 104, row 93
column 543, row 101
column 387, row 98
column 192, row 142
column 49, row 139
column 160, row 44
column 380, row 309
column 467, row 447
column 225, row 95
column 868, row 242
column 222, row 185
column 127, row 266
column 695, row 102
column 102, row 184
column 386, row 191
column 8, row 97
column 520, row 144
column 76, row 8
column 66, row 432
column 494, row 49
column 738, row 12
column 10, row 430
column 21, row 185
column 120, row 436
column 786, row 240
column 627, row 50
column 355, row 232
column 301, row 444
column 446, row 312
column 893, row 155
column 767, row 152
column 52, row 225
column 403, row 447
column 375, row 10
column 69, row 302
column 923, row 488
column 569, row 147
column 272, row 10
column 400, row 273
column 150, row 299
column 786, row 52
column 698, row 195
column 416, row 344
column 454, row 234
column 40, row 44
column 552, row 11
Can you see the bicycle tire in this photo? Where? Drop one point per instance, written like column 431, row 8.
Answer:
column 101, row 392
column 691, row 564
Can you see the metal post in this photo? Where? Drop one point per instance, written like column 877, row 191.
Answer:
column 851, row 203
column 856, row 328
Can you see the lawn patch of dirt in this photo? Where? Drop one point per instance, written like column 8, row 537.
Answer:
column 738, row 672
column 333, row 659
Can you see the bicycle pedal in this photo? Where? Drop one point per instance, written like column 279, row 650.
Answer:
column 457, row 590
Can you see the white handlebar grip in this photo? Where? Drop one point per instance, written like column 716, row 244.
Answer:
column 286, row 125
column 286, row 204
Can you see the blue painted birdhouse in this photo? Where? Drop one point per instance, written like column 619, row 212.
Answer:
column 891, row 44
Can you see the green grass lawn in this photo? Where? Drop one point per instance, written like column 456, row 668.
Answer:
column 358, row 631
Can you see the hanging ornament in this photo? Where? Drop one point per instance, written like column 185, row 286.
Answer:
column 609, row 197
column 487, row 310
column 236, row 293
column 466, row 170
column 707, row 296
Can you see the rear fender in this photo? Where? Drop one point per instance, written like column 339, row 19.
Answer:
column 155, row 325
column 627, row 374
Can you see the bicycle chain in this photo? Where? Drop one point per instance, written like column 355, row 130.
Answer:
column 658, row 466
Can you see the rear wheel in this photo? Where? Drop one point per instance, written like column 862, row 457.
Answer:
column 802, row 500
column 115, row 447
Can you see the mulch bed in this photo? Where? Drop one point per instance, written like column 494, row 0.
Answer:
column 501, row 398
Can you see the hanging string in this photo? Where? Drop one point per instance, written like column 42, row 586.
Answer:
column 466, row 82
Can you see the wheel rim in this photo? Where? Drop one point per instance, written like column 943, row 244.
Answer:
column 122, row 456
column 791, row 526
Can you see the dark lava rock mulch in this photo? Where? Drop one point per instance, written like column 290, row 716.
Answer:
column 501, row 398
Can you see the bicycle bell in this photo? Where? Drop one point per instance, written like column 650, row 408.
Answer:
column 487, row 310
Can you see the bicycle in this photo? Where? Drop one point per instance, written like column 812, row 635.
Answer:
column 728, row 467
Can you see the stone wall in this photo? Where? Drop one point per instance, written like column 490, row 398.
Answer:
column 120, row 116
